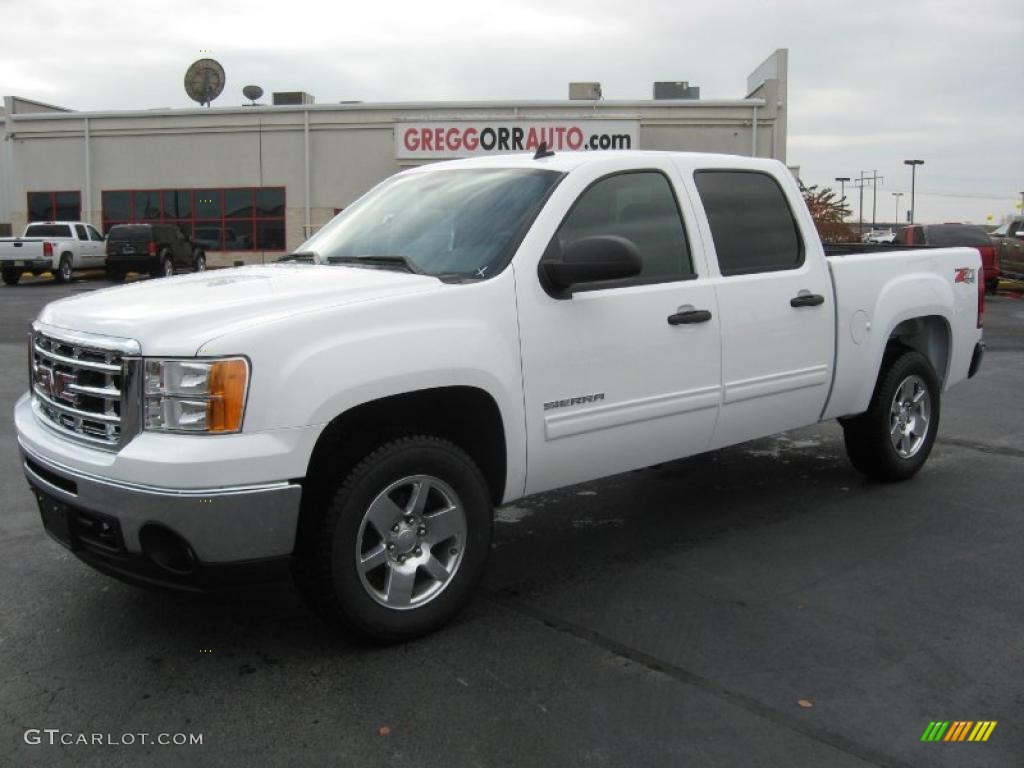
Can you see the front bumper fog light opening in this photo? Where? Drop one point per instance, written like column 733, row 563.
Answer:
column 167, row 550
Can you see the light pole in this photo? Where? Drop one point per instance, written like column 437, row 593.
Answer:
column 913, row 170
column 897, row 195
column 842, row 189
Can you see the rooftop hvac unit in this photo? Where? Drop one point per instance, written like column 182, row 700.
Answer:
column 291, row 98
column 675, row 90
column 585, row 91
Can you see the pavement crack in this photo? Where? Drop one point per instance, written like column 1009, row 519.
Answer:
column 685, row 676
column 999, row 450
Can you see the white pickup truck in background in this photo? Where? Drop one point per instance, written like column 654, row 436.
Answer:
column 59, row 247
column 465, row 334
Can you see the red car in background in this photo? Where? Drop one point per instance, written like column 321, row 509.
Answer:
column 954, row 235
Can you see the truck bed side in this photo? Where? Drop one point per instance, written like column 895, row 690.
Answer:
column 927, row 298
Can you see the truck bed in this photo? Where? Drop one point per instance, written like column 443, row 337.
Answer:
column 880, row 287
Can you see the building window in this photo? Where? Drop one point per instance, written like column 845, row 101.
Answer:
column 225, row 219
column 54, row 206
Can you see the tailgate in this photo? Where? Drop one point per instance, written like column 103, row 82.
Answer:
column 21, row 250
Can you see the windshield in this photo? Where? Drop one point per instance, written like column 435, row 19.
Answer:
column 48, row 230
column 130, row 232
column 452, row 223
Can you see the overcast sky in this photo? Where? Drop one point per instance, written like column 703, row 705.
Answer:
column 870, row 83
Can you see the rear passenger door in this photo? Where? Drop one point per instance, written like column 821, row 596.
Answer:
column 83, row 256
column 775, row 301
column 96, row 247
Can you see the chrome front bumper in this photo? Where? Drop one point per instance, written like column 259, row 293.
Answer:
column 222, row 525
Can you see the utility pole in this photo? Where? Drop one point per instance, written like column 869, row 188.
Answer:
column 860, row 205
column 875, row 178
column 897, row 195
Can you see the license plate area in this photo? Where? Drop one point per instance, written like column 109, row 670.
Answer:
column 80, row 529
column 55, row 519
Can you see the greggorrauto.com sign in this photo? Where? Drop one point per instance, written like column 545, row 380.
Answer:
column 466, row 138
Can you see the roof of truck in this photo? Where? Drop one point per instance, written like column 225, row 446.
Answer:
column 567, row 161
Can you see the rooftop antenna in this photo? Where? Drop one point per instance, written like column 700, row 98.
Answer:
column 204, row 81
column 543, row 151
column 252, row 92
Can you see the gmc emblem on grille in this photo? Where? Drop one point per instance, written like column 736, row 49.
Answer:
column 43, row 380
column 62, row 387
column 55, row 384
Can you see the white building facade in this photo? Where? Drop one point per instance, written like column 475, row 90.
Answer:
column 251, row 183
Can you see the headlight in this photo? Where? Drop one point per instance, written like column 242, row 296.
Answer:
column 195, row 395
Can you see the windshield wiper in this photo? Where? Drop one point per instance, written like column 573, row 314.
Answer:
column 305, row 257
column 398, row 263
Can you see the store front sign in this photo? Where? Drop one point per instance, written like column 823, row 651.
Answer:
column 469, row 138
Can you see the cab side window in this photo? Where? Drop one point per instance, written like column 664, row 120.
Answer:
column 640, row 207
column 80, row 231
column 751, row 222
column 93, row 234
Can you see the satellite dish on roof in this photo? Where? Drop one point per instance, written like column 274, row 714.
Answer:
column 252, row 92
column 204, row 81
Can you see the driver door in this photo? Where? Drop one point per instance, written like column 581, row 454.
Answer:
column 611, row 382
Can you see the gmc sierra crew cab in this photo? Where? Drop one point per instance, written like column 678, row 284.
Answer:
column 465, row 334
column 59, row 247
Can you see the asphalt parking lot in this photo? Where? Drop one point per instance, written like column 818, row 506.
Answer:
column 761, row 605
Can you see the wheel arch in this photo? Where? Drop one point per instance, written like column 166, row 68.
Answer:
column 931, row 336
column 468, row 416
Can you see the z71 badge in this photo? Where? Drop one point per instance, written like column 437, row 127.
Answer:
column 964, row 275
column 573, row 401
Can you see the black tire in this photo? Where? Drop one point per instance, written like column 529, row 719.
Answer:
column 11, row 276
column 867, row 436
column 63, row 272
column 325, row 563
column 115, row 274
column 992, row 287
column 199, row 262
column 164, row 267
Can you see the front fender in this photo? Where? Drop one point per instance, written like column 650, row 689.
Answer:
column 308, row 369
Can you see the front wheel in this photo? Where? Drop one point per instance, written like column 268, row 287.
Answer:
column 992, row 286
column 893, row 438
column 11, row 276
column 199, row 262
column 399, row 548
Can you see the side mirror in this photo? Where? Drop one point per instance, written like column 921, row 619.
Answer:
column 588, row 260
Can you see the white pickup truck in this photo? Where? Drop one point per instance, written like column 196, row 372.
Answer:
column 463, row 335
column 59, row 247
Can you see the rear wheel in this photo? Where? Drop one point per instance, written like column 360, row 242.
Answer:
column 893, row 438
column 199, row 262
column 401, row 543
column 11, row 276
column 992, row 286
column 115, row 274
column 164, row 268
column 63, row 273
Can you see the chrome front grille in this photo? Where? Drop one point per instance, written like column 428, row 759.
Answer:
column 80, row 386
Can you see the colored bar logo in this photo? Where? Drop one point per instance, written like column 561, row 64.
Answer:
column 958, row 730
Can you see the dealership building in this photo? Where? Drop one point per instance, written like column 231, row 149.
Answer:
column 252, row 182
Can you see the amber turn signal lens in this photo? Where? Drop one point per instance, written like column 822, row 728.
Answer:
column 227, row 385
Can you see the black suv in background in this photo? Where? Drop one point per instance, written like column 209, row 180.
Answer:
column 159, row 249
